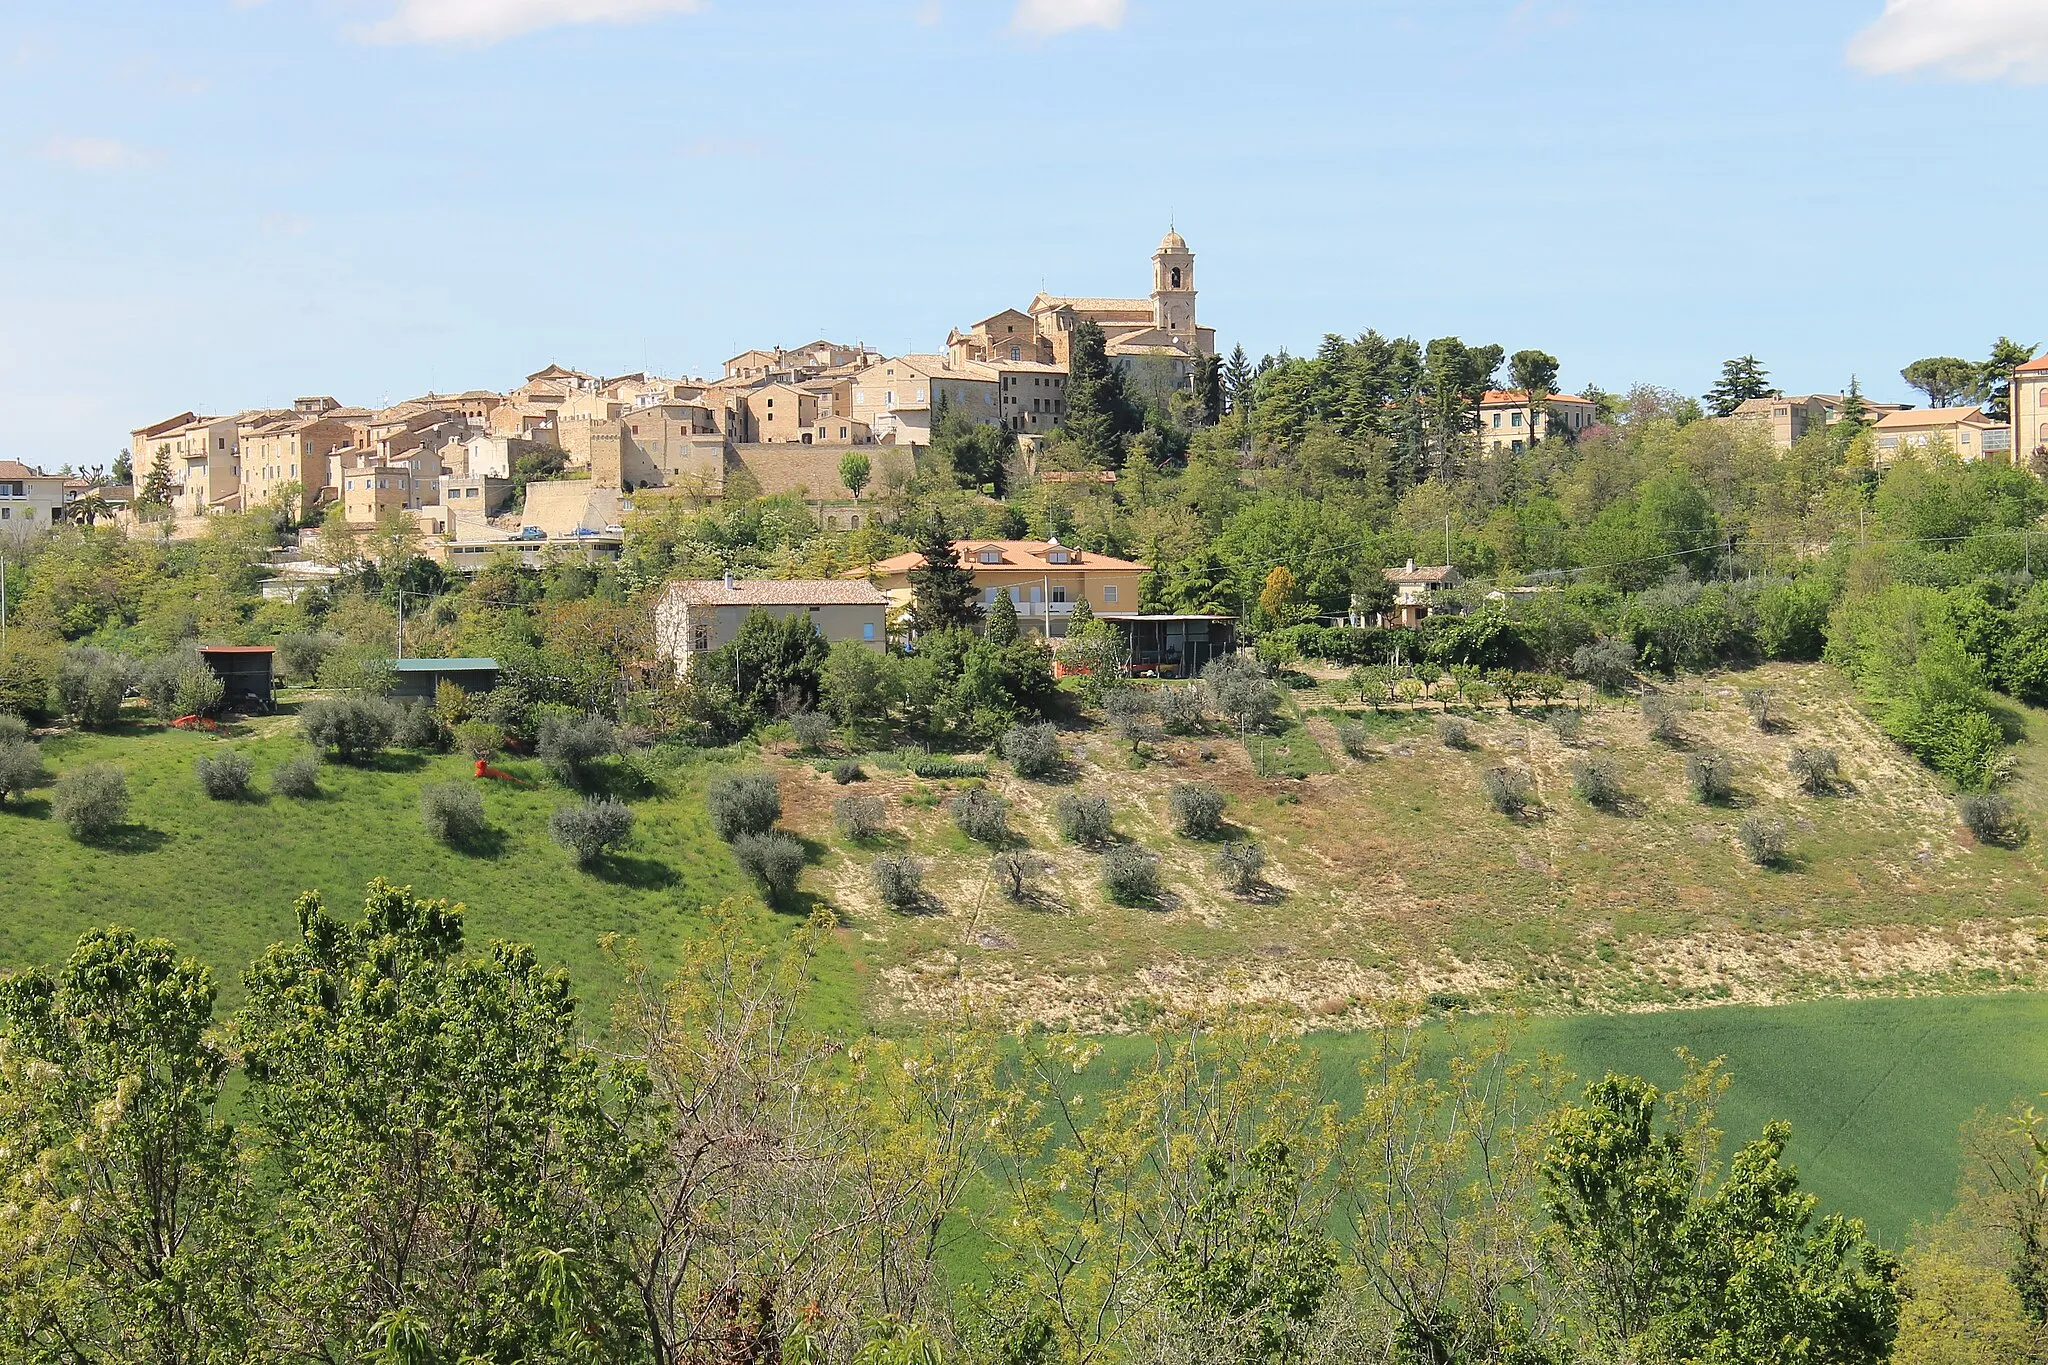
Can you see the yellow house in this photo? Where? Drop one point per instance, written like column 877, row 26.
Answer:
column 1968, row 432
column 1044, row 578
column 696, row 616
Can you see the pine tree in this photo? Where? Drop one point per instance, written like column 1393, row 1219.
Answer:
column 941, row 587
column 1237, row 381
column 1855, row 412
column 1995, row 385
column 1002, row 620
column 1535, row 374
column 1742, row 379
column 1099, row 409
column 156, row 489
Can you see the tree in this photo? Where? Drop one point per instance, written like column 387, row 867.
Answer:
column 773, row 664
column 1237, row 382
column 941, row 587
column 1855, row 412
column 854, row 472
column 857, row 684
column 450, row 1164
column 1002, row 620
column 1100, row 413
column 1209, row 388
column 1535, row 374
column 155, row 494
column 126, row 1236
column 1742, row 379
column 1994, row 380
column 1943, row 378
column 1280, row 597
column 124, row 469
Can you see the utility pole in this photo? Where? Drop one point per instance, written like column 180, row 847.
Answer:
column 1447, row 542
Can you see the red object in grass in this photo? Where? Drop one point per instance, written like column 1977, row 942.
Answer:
column 484, row 769
column 194, row 722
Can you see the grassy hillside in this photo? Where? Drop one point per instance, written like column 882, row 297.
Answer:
column 220, row 877
column 1390, row 875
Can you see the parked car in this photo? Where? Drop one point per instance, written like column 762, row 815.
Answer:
column 532, row 533
column 615, row 530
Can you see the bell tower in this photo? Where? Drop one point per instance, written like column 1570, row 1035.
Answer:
column 1173, row 290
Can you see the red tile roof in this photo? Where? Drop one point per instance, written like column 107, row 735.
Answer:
column 1016, row 554
column 1518, row 398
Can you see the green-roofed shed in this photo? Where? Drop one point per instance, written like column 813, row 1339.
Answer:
column 418, row 679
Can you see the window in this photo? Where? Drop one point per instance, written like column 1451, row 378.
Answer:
column 867, row 630
column 1016, row 353
column 1109, row 593
column 12, row 489
column 1059, row 594
column 991, row 556
column 1176, row 277
column 1059, row 556
column 1496, row 421
column 1515, row 419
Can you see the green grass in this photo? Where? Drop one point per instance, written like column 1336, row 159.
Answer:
column 219, row 878
column 1876, row 1090
column 1290, row 751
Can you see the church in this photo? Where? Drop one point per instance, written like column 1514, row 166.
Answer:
column 1162, row 326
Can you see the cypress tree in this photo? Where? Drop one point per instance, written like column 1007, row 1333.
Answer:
column 1099, row 409
column 1002, row 621
column 1209, row 389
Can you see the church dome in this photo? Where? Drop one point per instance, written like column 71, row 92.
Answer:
column 1173, row 241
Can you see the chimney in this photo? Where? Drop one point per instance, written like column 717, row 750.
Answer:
column 728, row 580
column 1411, row 569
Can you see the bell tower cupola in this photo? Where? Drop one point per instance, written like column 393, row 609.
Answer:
column 1173, row 289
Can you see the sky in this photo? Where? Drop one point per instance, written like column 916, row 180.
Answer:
column 224, row 204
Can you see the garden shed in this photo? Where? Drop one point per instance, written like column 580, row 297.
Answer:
column 419, row 679
column 247, row 672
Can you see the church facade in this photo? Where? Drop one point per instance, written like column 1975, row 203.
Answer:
column 1159, row 328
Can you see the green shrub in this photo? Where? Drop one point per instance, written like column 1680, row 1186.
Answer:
column 21, row 767
column 898, row 879
column 1596, row 783
column 1129, row 712
column 574, row 748
column 846, row 771
column 1816, row 767
column 416, row 725
column 774, row 859
column 92, row 801
column 939, row 768
column 13, row 729
column 1083, row 818
column 1195, row 810
column 1508, row 790
column 1762, row 838
column 1354, row 739
column 225, row 776
column 1033, row 750
column 1130, row 875
column 743, row 803
column 982, row 816
column 1710, row 775
column 1454, row 733
column 298, row 778
column 91, row 684
column 1661, row 716
column 478, row 739
column 1239, row 864
column 1240, row 691
column 1566, row 724
column 353, row 727
column 1181, row 711
column 1763, row 707
column 364, row 670
column 452, row 812
column 1992, row 818
column 592, row 829
column 860, row 817
column 299, row 656
column 1609, row 664
column 813, row 731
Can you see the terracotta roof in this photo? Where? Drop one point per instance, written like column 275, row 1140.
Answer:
column 15, row 469
column 1518, row 398
column 2034, row 366
column 1427, row 573
column 1931, row 417
column 777, row 592
column 1092, row 305
column 1016, row 554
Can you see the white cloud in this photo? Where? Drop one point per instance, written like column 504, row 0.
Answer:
column 92, row 153
column 489, row 21
column 1967, row 40
column 1044, row 18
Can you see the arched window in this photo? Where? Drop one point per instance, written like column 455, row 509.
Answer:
column 1176, row 277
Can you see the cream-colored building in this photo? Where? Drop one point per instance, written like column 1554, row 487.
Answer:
column 695, row 617
column 205, row 461
column 896, row 398
column 775, row 414
column 1967, row 432
column 1043, row 578
column 289, row 450
column 1010, row 336
column 668, row 445
column 29, row 497
column 2030, row 413
column 1507, row 424
column 1788, row 418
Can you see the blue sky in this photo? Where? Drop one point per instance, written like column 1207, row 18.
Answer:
column 218, row 205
